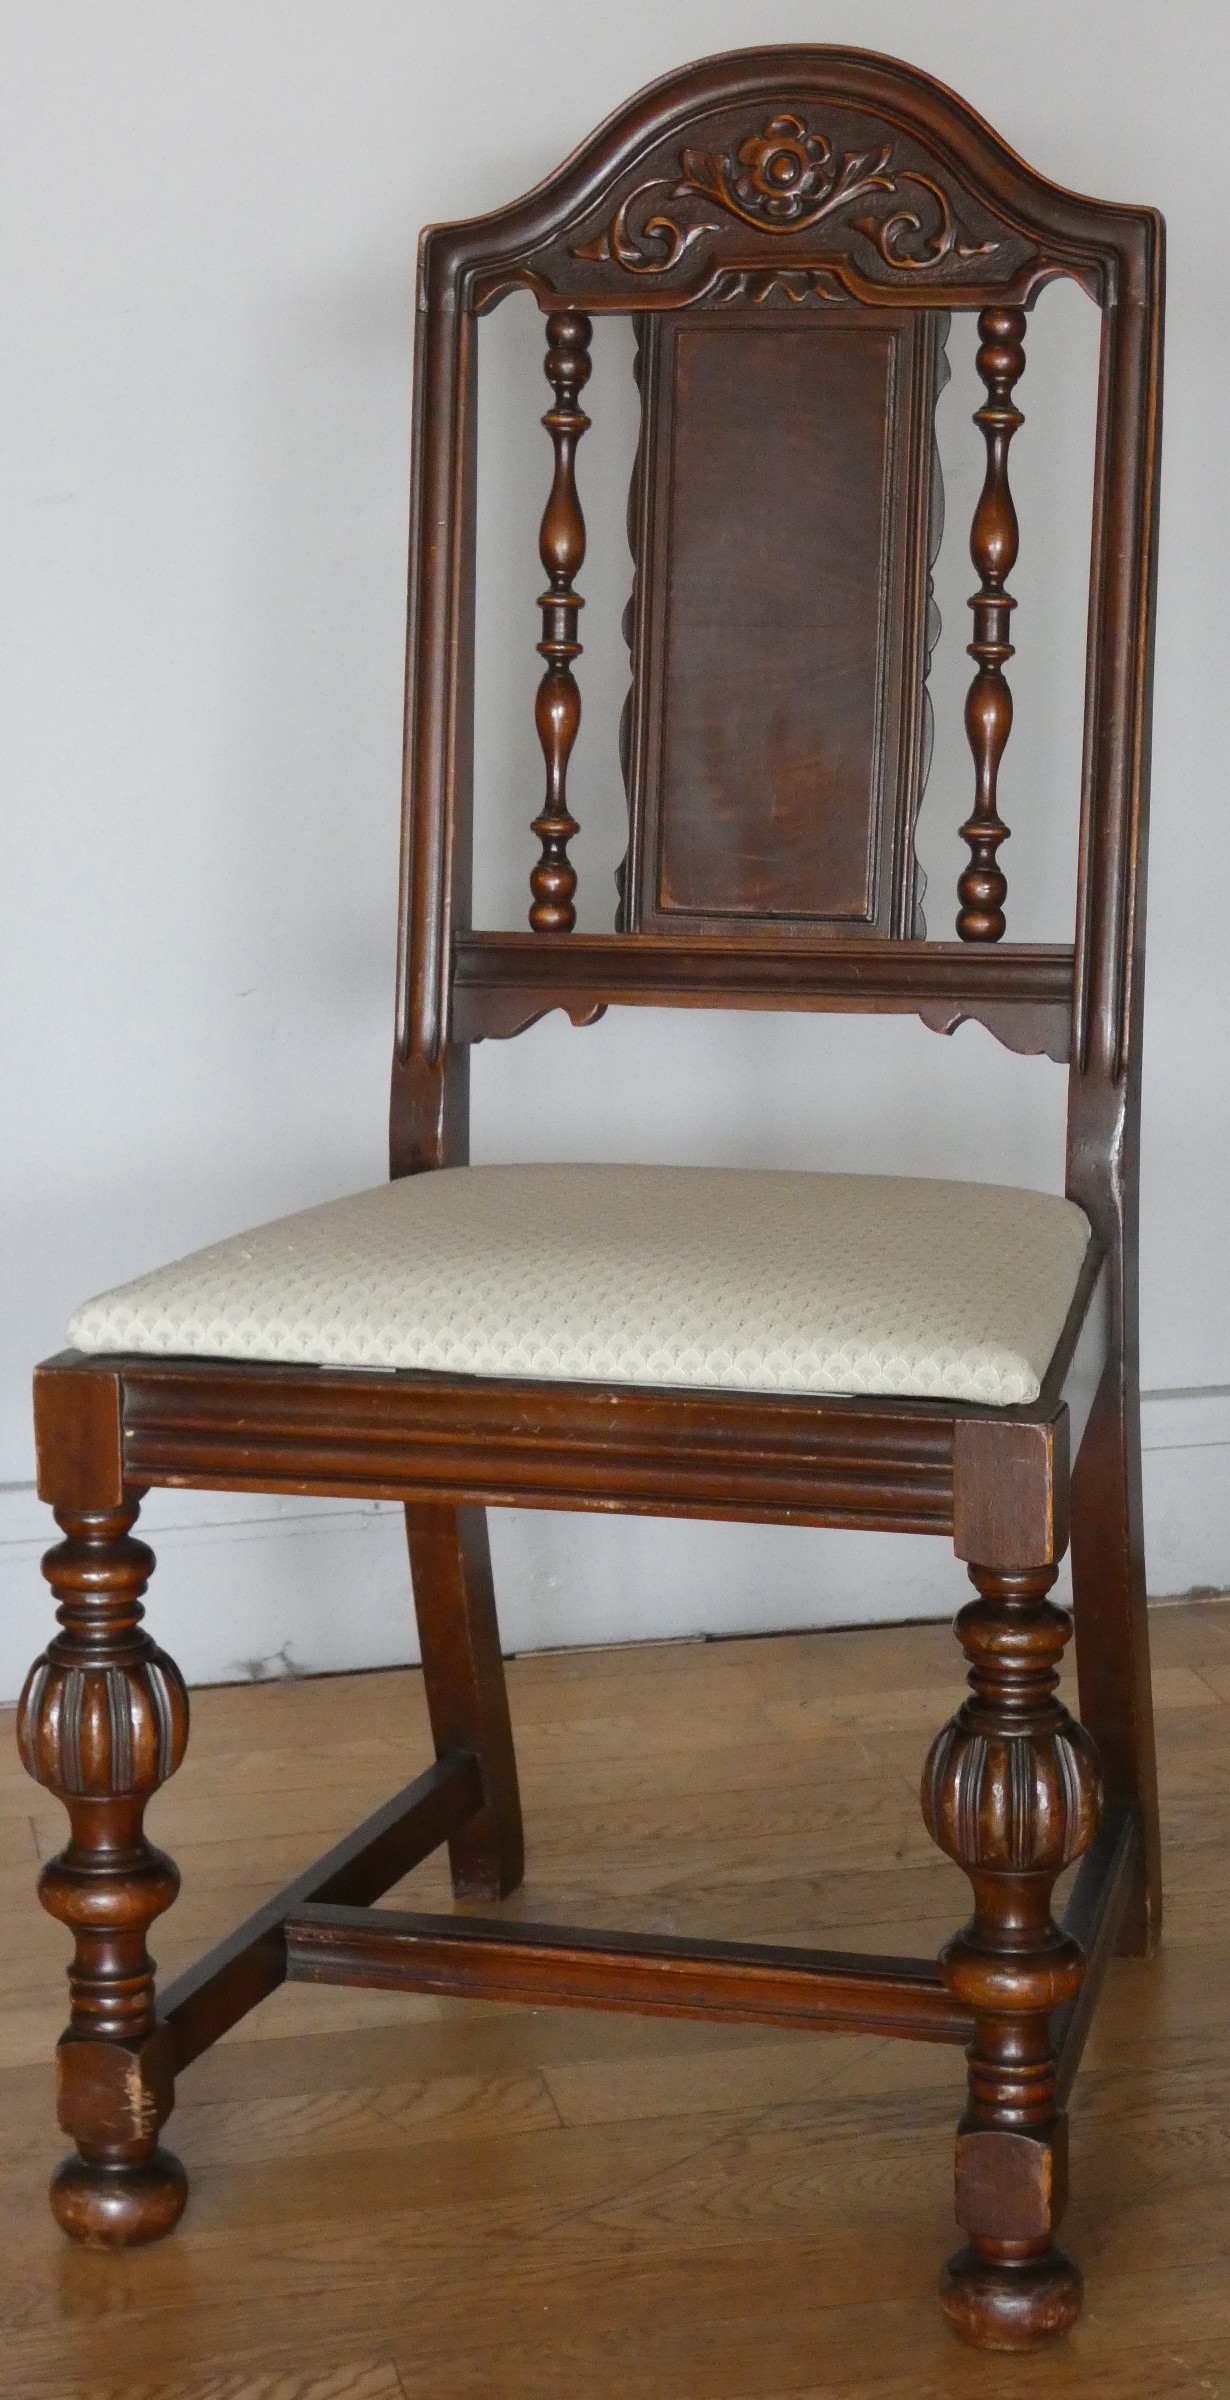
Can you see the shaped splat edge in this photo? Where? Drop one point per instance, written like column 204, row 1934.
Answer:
column 627, row 872
column 933, row 621
column 1035, row 1030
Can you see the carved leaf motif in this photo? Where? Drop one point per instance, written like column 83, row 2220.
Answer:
column 621, row 243
column 792, row 286
column 783, row 179
column 889, row 233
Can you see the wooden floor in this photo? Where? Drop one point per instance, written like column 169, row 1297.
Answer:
column 395, row 2198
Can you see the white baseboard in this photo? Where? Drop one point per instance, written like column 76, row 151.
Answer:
column 1186, row 1441
column 255, row 1587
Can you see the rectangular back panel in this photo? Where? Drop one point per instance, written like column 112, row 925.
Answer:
column 783, row 521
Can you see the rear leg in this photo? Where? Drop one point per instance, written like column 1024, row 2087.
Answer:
column 454, row 1601
column 1112, row 1636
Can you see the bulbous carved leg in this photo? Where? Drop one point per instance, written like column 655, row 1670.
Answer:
column 103, row 1721
column 1012, row 1792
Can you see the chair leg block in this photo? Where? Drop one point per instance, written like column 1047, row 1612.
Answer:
column 114, row 2190
column 1010, row 2287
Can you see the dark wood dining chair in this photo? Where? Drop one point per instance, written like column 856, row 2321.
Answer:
column 789, row 230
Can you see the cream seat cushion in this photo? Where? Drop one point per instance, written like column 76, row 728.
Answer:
column 760, row 1280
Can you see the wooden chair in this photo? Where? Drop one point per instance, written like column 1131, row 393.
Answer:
column 788, row 228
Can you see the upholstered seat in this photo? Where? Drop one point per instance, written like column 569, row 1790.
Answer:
column 758, row 1280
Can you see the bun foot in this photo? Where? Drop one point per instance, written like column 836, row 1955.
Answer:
column 114, row 2208
column 996, row 2304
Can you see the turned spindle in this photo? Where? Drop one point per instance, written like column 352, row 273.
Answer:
column 561, row 547
column 982, row 888
column 1012, row 1792
column 103, row 1722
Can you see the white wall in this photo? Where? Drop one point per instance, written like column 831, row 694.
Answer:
column 210, row 218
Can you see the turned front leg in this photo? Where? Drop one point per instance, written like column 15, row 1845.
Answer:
column 103, row 1721
column 1011, row 1791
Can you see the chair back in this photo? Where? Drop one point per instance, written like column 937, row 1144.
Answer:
column 790, row 230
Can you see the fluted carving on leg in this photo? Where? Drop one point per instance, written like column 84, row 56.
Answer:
column 103, row 1721
column 1012, row 1792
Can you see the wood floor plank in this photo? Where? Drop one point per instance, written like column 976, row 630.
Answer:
column 359, row 2379
column 364, row 2117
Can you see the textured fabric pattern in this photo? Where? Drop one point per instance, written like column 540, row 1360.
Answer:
column 732, row 1278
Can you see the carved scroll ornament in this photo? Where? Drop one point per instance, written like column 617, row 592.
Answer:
column 784, row 179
